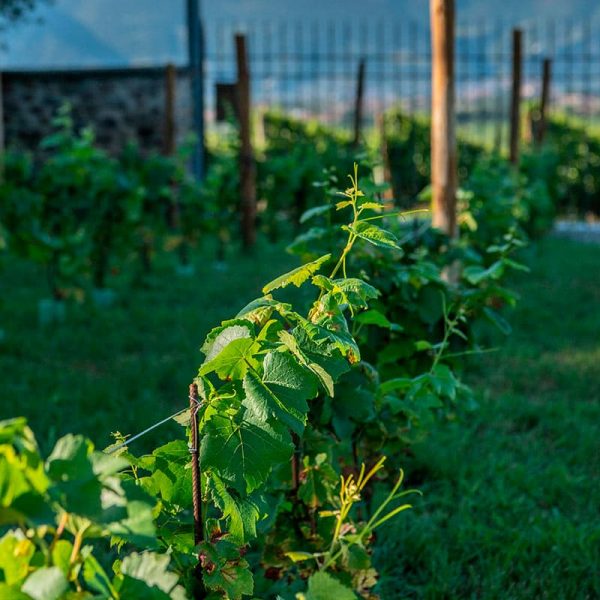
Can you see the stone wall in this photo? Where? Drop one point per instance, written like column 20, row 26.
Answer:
column 122, row 105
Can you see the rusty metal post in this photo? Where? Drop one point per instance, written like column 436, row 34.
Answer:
column 196, row 472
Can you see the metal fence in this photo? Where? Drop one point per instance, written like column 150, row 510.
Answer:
column 309, row 69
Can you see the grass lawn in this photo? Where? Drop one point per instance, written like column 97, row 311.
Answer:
column 511, row 506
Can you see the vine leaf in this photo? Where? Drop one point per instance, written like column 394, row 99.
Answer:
column 297, row 276
column 291, row 343
column 373, row 317
column 375, row 235
column 234, row 360
column 322, row 586
column 243, row 453
column 48, row 583
column 146, row 575
column 225, row 571
column 351, row 291
column 315, row 211
column 282, row 392
column 221, row 336
column 243, row 513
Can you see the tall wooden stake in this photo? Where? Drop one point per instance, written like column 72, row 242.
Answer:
column 545, row 99
column 443, row 124
column 358, row 107
column 515, row 106
column 386, row 171
column 247, row 166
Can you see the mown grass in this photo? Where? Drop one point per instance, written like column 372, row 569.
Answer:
column 511, row 506
column 511, row 489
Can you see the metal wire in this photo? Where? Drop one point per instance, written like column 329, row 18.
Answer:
column 147, row 430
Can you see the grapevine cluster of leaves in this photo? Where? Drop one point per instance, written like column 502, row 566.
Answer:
column 81, row 213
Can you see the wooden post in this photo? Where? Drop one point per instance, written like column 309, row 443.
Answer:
column 196, row 73
column 545, row 99
column 169, row 130
column 443, row 118
column 358, row 106
column 386, row 172
column 515, row 106
column 247, row 166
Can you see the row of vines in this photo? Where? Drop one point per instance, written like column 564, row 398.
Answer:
column 307, row 399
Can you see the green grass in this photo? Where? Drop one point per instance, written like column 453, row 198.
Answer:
column 512, row 490
column 125, row 367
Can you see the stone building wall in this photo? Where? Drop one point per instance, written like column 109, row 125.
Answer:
column 121, row 105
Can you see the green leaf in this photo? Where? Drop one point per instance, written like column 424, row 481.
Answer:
column 243, row 452
column 171, row 477
column 220, row 337
column 475, row 274
column 282, row 392
column 259, row 311
column 297, row 276
column 299, row 556
column 242, row 513
column 46, row 584
column 225, row 571
column 15, row 555
column 320, row 481
column 444, row 382
column 323, row 358
column 399, row 383
column 77, row 487
column 96, row 578
column 61, row 555
column 350, row 291
column 376, row 235
column 373, row 317
column 234, row 360
column 315, row 211
column 322, row 586
column 371, row 205
column 10, row 593
column 147, row 576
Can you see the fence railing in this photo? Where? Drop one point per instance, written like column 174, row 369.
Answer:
column 310, row 68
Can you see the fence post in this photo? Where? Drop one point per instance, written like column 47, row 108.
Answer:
column 386, row 172
column 247, row 167
column 196, row 74
column 169, row 131
column 515, row 107
column 443, row 125
column 358, row 106
column 545, row 99
column 2, row 139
